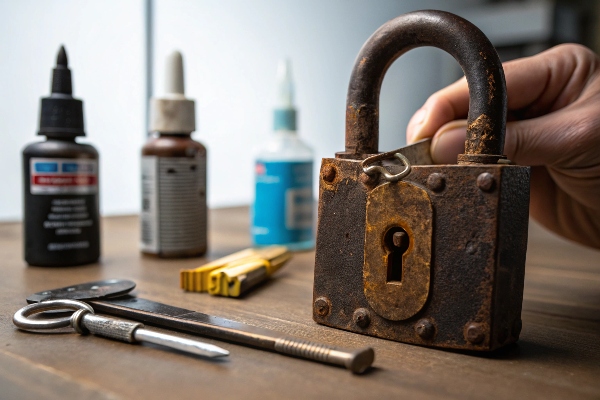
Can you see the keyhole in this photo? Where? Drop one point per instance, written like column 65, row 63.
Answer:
column 396, row 241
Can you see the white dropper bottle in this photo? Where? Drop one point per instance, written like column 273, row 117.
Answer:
column 283, row 207
column 174, row 212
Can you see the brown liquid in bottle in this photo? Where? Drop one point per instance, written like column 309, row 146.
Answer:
column 174, row 214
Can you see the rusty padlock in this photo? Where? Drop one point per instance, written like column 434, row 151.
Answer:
column 419, row 253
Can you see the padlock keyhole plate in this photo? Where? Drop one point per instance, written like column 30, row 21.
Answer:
column 396, row 242
column 393, row 208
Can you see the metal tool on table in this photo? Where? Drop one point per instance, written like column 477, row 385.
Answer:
column 235, row 274
column 414, row 252
column 111, row 297
column 84, row 321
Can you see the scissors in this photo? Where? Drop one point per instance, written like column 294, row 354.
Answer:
column 112, row 297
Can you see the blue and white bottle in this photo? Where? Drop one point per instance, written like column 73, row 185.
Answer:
column 283, row 207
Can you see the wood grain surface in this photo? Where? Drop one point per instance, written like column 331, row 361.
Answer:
column 558, row 356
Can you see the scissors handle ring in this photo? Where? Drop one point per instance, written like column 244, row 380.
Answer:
column 21, row 320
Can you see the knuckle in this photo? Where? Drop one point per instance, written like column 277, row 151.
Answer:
column 587, row 128
column 580, row 52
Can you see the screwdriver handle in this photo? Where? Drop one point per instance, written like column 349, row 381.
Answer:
column 83, row 322
column 356, row 361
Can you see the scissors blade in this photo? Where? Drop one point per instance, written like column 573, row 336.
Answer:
column 85, row 291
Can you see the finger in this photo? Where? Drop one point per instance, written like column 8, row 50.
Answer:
column 448, row 104
column 555, row 208
column 553, row 139
column 449, row 142
column 530, row 142
column 559, row 139
column 535, row 85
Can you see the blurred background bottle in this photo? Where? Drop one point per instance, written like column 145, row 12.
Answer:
column 283, row 202
column 173, row 218
column 60, row 182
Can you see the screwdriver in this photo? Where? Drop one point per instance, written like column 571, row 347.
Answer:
column 84, row 321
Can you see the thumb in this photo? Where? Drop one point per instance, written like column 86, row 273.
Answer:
column 448, row 142
column 538, row 141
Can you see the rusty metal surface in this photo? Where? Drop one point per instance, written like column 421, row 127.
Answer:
column 397, row 295
column 460, row 230
column 477, row 265
column 513, row 224
column 465, row 42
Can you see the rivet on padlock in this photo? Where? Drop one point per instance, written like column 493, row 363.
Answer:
column 362, row 317
column 322, row 306
column 425, row 328
column 436, row 182
column 328, row 173
column 475, row 333
column 486, row 182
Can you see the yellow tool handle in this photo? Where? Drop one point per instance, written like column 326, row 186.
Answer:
column 228, row 281
column 237, row 278
column 194, row 280
column 198, row 279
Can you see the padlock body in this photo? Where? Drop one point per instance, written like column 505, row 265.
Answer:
column 478, row 240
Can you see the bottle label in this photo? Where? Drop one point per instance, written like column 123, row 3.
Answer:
column 173, row 217
column 61, row 211
column 63, row 176
column 283, row 207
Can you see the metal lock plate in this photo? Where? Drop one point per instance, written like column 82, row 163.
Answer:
column 397, row 275
column 479, row 239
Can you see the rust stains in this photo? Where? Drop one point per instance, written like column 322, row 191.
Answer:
column 491, row 87
column 479, row 134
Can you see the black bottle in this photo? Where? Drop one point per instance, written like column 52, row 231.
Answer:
column 61, row 212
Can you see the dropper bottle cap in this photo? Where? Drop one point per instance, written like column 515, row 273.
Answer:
column 61, row 114
column 173, row 112
column 284, row 115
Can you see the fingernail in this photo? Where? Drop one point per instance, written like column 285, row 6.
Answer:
column 449, row 142
column 417, row 119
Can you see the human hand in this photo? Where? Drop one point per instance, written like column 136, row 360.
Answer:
column 553, row 125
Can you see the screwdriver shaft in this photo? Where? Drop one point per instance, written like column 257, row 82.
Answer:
column 131, row 332
column 179, row 343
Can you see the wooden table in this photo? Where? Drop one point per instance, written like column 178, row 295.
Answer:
column 558, row 355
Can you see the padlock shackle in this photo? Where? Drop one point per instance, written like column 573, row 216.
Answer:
column 455, row 35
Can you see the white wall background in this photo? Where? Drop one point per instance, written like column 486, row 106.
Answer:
column 104, row 43
column 231, row 48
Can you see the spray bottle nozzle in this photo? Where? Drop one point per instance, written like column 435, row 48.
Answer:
column 61, row 75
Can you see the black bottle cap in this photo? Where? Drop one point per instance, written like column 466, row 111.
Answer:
column 62, row 114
